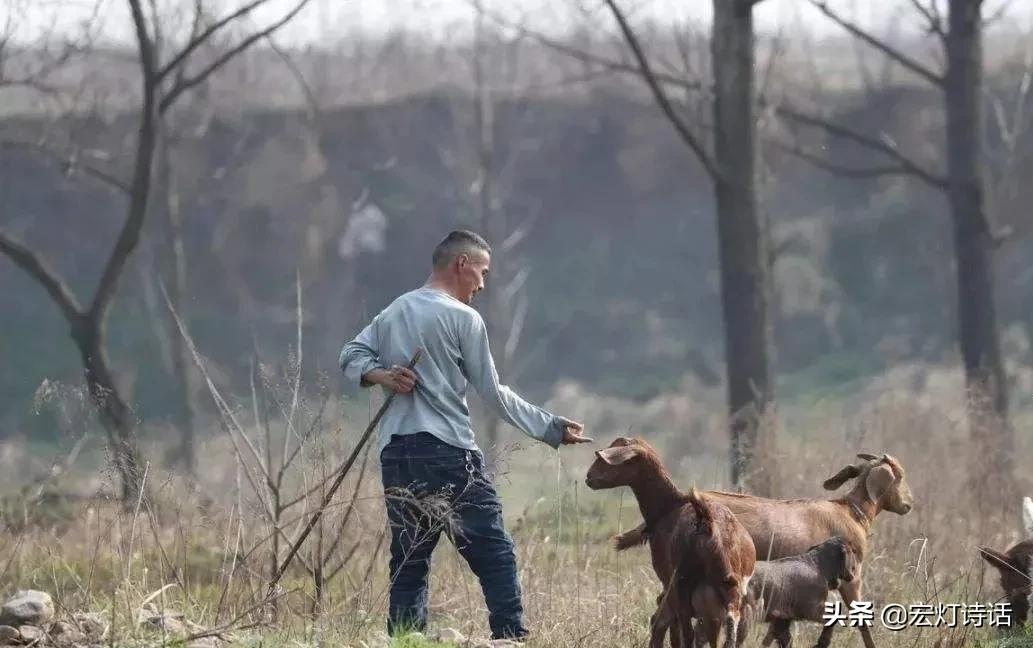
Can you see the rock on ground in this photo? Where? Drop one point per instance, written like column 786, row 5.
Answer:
column 171, row 621
column 64, row 633
column 93, row 625
column 379, row 640
column 448, row 635
column 8, row 634
column 27, row 607
column 31, row 634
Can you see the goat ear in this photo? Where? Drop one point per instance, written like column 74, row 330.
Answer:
column 1027, row 515
column 840, row 478
column 866, row 456
column 996, row 558
column 879, row 480
column 617, row 455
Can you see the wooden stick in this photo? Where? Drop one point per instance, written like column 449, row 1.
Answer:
column 337, row 481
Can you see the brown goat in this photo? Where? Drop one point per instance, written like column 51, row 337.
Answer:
column 1014, row 568
column 702, row 555
column 782, row 528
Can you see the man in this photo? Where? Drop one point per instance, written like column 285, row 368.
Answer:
column 429, row 459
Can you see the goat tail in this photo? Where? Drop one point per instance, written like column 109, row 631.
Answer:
column 704, row 514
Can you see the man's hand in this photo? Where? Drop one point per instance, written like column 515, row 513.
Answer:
column 398, row 379
column 572, row 432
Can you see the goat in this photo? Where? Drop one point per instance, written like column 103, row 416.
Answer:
column 796, row 588
column 782, row 528
column 1014, row 567
column 702, row 555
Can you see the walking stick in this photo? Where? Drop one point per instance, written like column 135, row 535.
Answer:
column 337, row 482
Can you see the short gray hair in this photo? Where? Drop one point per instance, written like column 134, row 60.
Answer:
column 458, row 242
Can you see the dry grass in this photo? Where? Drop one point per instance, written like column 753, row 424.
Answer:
column 203, row 547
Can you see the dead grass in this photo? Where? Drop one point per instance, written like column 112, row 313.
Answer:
column 203, row 548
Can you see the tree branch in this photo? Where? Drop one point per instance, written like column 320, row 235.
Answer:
column 190, row 82
column 842, row 132
column 905, row 166
column 934, row 21
column 144, row 43
column 658, row 92
column 141, row 183
column 38, row 269
column 311, row 102
column 200, row 39
column 588, row 57
column 887, row 49
column 838, row 169
column 36, row 85
column 69, row 162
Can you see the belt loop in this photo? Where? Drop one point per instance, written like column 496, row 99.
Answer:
column 469, row 462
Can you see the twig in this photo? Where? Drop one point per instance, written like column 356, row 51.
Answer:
column 659, row 93
column 887, row 49
column 338, row 481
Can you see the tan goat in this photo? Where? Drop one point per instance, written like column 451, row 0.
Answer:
column 782, row 528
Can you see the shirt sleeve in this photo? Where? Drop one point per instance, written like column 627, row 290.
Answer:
column 479, row 369
column 360, row 356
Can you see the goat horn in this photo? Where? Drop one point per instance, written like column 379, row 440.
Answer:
column 867, row 457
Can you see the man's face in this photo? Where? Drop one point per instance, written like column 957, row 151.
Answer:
column 471, row 271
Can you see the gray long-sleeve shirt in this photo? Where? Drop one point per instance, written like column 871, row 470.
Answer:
column 456, row 353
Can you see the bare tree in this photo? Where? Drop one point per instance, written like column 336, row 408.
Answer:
column 163, row 81
column 742, row 235
column 960, row 34
column 507, row 301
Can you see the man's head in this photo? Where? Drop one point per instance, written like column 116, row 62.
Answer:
column 462, row 262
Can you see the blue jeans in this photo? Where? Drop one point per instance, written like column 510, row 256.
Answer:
column 432, row 487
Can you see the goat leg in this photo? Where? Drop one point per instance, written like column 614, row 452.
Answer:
column 851, row 592
column 682, row 633
column 731, row 626
column 826, row 637
column 780, row 630
column 658, row 625
column 662, row 620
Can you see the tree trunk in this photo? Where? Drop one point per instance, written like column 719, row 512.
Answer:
column 987, row 395
column 497, row 316
column 115, row 415
column 173, row 258
column 743, row 250
column 90, row 334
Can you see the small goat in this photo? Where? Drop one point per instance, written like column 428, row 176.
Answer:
column 1014, row 568
column 796, row 588
column 782, row 528
column 702, row 555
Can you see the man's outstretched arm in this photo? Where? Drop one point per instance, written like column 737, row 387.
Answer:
column 479, row 368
